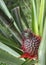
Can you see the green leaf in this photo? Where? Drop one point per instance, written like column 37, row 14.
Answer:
column 42, row 49
column 11, row 31
column 11, row 43
column 41, row 16
column 17, row 17
column 29, row 62
column 34, row 19
column 7, row 58
column 24, row 20
column 37, row 6
column 4, row 8
column 9, row 50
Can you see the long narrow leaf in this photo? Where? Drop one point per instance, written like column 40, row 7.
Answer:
column 6, row 11
column 25, row 22
column 41, row 16
column 29, row 62
column 42, row 49
column 9, row 56
column 34, row 22
column 17, row 17
column 11, row 31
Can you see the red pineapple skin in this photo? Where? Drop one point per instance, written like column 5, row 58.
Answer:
column 30, row 45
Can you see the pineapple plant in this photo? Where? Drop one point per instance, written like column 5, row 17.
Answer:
column 21, row 31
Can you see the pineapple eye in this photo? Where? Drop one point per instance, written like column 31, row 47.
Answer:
column 27, row 42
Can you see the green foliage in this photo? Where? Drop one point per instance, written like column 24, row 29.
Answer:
column 2, row 63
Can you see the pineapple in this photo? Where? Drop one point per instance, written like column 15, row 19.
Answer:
column 30, row 44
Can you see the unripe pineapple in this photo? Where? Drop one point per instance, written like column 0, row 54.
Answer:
column 30, row 44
